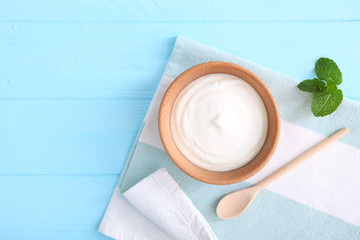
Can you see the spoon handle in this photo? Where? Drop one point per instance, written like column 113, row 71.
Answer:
column 301, row 158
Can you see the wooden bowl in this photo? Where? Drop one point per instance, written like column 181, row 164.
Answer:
column 213, row 177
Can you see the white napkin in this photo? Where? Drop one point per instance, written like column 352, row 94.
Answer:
column 158, row 209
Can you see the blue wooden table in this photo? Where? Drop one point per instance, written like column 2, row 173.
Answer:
column 76, row 78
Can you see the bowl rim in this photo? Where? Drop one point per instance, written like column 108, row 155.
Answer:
column 215, row 177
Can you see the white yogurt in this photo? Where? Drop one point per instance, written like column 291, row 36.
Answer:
column 219, row 122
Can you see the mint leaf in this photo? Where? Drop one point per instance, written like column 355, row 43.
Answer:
column 307, row 85
column 326, row 103
column 312, row 85
column 331, row 89
column 326, row 69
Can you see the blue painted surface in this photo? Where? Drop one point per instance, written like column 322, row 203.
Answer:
column 76, row 78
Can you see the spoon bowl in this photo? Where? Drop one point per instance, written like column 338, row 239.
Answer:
column 229, row 209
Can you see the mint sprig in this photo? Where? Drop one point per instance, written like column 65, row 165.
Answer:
column 326, row 103
column 327, row 97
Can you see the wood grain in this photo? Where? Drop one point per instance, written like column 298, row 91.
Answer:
column 90, row 60
column 184, row 11
column 47, row 207
column 68, row 136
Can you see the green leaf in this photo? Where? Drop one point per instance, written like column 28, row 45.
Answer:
column 326, row 69
column 331, row 89
column 312, row 85
column 326, row 103
column 307, row 85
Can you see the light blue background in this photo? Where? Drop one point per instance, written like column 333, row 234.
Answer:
column 76, row 78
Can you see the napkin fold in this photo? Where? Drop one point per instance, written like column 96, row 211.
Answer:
column 157, row 208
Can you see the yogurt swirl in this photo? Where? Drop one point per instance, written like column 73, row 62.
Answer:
column 219, row 122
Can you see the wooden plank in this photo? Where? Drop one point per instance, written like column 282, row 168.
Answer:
column 87, row 60
column 53, row 207
column 169, row 11
column 68, row 136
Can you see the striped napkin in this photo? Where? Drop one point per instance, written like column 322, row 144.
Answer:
column 318, row 200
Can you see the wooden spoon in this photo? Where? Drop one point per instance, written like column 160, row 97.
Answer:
column 234, row 204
